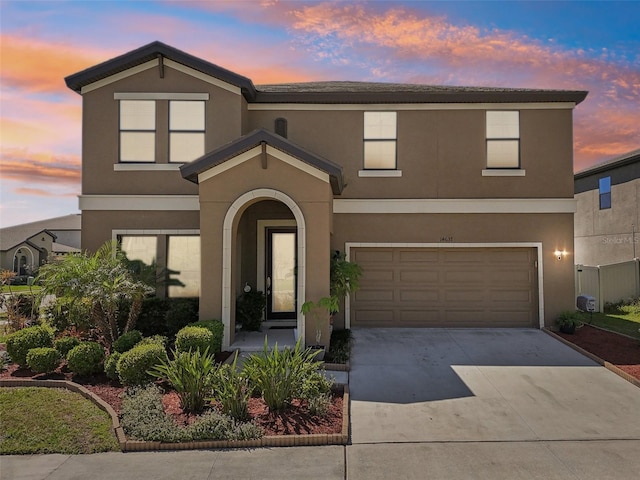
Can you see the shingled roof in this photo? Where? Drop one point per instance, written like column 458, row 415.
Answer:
column 190, row 171
column 332, row 92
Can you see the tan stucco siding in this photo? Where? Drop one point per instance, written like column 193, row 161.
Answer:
column 311, row 195
column 98, row 226
column 606, row 236
column 100, row 151
column 441, row 153
column 554, row 231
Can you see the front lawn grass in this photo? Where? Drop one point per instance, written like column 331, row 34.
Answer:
column 52, row 420
column 625, row 323
column 19, row 289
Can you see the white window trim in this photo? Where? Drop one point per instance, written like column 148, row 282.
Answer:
column 380, row 173
column 537, row 245
column 139, row 167
column 139, row 202
column 439, row 205
column 504, row 172
column 153, row 231
column 227, row 250
column 159, row 96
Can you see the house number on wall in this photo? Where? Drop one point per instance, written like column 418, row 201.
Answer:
column 446, row 239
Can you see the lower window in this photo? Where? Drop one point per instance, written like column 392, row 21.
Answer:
column 179, row 275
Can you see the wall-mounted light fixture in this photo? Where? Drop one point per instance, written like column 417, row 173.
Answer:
column 560, row 254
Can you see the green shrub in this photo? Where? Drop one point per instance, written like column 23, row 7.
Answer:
column 217, row 328
column 144, row 418
column 86, row 358
column 65, row 344
column 191, row 375
column 340, row 349
column 127, row 341
column 217, row 426
column 316, row 390
column 43, row 359
column 232, row 389
column 133, row 366
column 250, row 308
column 166, row 316
column 279, row 375
column 19, row 343
column 111, row 365
column 154, row 340
column 194, row 338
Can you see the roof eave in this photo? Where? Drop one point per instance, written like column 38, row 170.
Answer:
column 150, row 51
column 422, row 97
column 192, row 170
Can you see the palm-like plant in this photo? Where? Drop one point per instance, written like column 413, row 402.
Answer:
column 100, row 283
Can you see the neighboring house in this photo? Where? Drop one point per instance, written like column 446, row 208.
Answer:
column 608, row 213
column 25, row 247
column 456, row 201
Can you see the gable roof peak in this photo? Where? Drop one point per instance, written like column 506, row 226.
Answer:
column 152, row 51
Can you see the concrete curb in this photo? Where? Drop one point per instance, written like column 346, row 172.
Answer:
column 126, row 445
column 595, row 358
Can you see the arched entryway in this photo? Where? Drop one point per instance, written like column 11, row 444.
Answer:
column 232, row 269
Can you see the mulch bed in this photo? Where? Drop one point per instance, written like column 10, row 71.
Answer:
column 621, row 351
column 296, row 420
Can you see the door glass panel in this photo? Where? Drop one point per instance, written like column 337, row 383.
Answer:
column 283, row 254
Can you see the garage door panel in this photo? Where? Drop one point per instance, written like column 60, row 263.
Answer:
column 377, row 275
column 506, row 277
column 374, row 256
column 373, row 295
column 454, row 287
column 416, row 318
column 468, row 256
column 417, row 256
column 374, row 317
column 457, row 277
column 419, row 295
column 428, row 276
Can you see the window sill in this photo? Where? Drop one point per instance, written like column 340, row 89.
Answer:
column 380, row 173
column 139, row 167
column 503, row 172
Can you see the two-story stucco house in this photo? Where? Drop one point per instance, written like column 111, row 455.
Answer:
column 607, row 220
column 455, row 201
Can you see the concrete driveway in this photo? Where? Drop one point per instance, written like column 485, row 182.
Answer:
column 483, row 385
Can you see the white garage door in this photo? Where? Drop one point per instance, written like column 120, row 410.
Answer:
column 446, row 287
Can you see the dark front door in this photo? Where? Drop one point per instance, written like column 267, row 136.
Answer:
column 281, row 246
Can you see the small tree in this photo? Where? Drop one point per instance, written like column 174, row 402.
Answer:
column 100, row 285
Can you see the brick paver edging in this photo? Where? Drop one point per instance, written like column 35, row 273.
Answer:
column 126, row 445
column 609, row 366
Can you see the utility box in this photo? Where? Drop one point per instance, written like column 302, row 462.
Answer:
column 586, row 303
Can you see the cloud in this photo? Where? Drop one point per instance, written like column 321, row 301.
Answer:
column 401, row 44
column 19, row 164
column 42, row 193
column 40, row 66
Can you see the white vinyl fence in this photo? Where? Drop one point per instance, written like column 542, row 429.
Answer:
column 609, row 283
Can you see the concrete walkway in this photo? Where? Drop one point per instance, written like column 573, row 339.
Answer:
column 428, row 404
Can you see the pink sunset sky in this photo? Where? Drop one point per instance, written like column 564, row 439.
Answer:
column 592, row 46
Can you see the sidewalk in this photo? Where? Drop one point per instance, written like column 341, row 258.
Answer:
column 586, row 460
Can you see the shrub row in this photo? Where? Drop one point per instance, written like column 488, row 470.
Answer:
column 143, row 418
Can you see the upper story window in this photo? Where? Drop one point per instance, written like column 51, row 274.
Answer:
column 503, row 139
column 186, row 130
column 160, row 129
column 137, row 131
column 380, row 138
column 605, row 193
